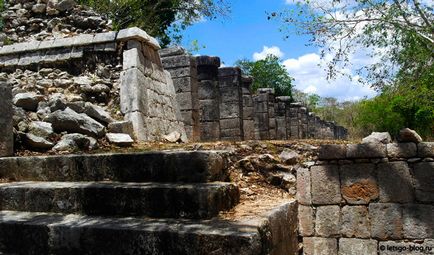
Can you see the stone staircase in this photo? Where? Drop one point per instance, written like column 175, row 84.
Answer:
column 139, row 203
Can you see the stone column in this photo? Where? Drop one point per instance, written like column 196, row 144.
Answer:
column 183, row 70
column 248, row 108
column 304, row 122
column 6, row 123
column 271, row 114
column 281, row 107
column 261, row 117
column 231, row 113
column 209, row 97
column 317, row 127
column 295, row 120
column 311, row 125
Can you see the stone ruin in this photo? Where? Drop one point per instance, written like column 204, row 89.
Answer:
column 217, row 104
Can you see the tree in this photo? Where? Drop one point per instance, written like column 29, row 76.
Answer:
column 268, row 73
column 400, row 33
column 164, row 19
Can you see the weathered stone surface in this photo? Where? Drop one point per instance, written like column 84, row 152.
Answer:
column 409, row 135
column 135, row 33
column 306, row 220
column 75, row 142
column 98, row 113
column 401, row 150
column 27, row 101
column 123, row 140
column 304, row 196
column 70, row 121
column 40, row 128
column 386, row 221
column 6, row 120
column 124, row 127
column 418, row 221
column 332, row 151
column 327, row 221
column 355, row 222
column 358, row 183
column 395, row 182
column 366, row 150
column 353, row 246
column 325, row 185
column 108, row 198
column 289, row 157
column 378, row 137
column 320, row 246
column 423, row 180
column 37, row 143
column 425, row 149
column 173, row 137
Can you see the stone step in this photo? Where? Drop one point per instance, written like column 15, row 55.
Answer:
column 162, row 200
column 41, row 233
column 188, row 167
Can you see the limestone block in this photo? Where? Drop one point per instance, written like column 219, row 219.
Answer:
column 183, row 72
column 248, row 112
column 178, row 61
column 418, row 221
column 83, row 39
column 423, row 179
column 208, row 90
column 367, row 150
column 234, row 123
column 135, row 33
column 209, row 110
column 64, row 42
column 9, row 60
column 401, row 150
column 133, row 58
column 332, row 151
column 260, row 107
column 386, row 221
column 327, row 221
column 185, row 84
column 249, row 129
column 325, row 185
column 304, row 186
column 230, row 110
column 232, row 94
column 44, row 45
column 395, row 182
column 185, row 101
column 425, row 149
column 104, row 37
column 353, row 246
column 231, row 134
column 172, row 51
column 306, row 220
column 355, row 222
column 358, row 183
column 261, row 121
column 320, row 246
column 118, row 139
column 209, row 131
column 125, row 127
column 132, row 92
column 6, row 121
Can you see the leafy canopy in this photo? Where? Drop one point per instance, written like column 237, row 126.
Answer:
column 164, row 19
column 398, row 33
column 268, row 73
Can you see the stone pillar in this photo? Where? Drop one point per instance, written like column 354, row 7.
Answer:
column 271, row 114
column 304, row 122
column 231, row 112
column 6, row 123
column 295, row 120
column 281, row 108
column 248, row 108
column 147, row 93
column 261, row 117
column 182, row 68
column 318, row 127
column 311, row 125
column 209, row 97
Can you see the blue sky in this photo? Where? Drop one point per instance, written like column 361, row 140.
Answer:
column 247, row 33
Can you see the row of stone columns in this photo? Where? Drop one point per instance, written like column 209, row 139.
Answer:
column 229, row 111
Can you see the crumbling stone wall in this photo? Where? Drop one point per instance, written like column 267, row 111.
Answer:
column 368, row 198
column 183, row 68
column 6, row 123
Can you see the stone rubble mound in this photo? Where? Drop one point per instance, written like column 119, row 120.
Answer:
column 40, row 20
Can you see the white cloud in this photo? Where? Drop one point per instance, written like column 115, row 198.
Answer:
column 273, row 50
column 310, row 77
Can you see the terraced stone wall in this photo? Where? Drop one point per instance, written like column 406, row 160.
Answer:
column 369, row 199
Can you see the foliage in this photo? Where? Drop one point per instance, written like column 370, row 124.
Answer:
column 2, row 6
column 164, row 19
column 400, row 31
column 268, row 73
